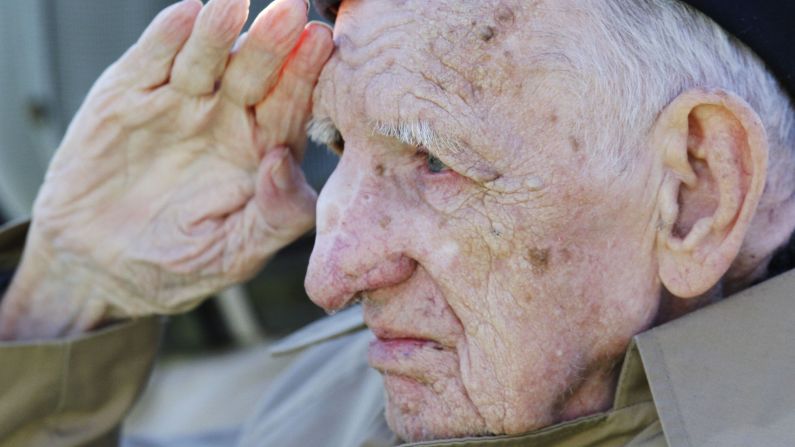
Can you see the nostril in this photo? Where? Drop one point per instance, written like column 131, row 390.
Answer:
column 332, row 287
column 388, row 273
column 328, row 292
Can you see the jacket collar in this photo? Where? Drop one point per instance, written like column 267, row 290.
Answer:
column 329, row 328
column 723, row 375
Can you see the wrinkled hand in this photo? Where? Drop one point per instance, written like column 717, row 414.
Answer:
column 179, row 174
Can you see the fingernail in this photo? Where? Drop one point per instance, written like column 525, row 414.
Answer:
column 281, row 173
column 318, row 50
column 323, row 24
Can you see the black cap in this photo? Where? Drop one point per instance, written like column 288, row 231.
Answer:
column 766, row 26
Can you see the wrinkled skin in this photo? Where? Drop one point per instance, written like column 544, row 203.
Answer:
column 496, row 308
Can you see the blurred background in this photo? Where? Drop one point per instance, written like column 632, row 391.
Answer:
column 51, row 52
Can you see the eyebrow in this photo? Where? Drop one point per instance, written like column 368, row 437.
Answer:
column 323, row 131
column 420, row 133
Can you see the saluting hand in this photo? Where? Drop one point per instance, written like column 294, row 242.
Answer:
column 179, row 174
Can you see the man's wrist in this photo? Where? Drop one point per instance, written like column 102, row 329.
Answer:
column 44, row 301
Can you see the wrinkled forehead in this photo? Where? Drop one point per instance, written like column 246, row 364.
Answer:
column 418, row 60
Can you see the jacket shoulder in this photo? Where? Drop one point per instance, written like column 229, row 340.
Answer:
column 329, row 328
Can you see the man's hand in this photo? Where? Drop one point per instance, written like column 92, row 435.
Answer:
column 179, row 175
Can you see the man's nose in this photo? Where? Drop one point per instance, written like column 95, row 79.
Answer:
column 360, row 242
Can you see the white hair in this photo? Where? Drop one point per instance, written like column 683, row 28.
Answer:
column 647, row 52
column 419, row 133
column 643, row 54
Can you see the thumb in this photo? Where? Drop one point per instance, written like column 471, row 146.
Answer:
column 284, row 199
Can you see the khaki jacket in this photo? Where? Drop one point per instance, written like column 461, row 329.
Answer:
column 723, row 376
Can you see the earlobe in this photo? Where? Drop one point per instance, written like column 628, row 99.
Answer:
column 713, row 149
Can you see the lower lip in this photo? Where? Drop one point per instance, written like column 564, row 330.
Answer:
column 396, row 349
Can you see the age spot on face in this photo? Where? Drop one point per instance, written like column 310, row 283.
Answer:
column 539, row 259
column 379, row 170
column 487, row 33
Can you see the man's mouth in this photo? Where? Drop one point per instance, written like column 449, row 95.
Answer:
column 401, row 352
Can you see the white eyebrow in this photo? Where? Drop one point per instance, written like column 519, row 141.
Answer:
column 323, row 131
column 417, row 134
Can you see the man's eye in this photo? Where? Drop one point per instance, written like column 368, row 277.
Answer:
column 432, row 162
column 435, row 165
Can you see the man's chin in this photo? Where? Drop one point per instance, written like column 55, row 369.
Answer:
column 418, row 411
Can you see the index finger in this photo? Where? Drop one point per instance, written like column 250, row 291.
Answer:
column 282, row 116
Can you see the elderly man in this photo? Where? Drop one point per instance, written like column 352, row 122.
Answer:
column 523, row 188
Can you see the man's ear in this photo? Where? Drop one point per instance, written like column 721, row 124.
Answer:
column 714, row 155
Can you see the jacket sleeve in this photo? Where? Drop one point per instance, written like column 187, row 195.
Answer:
column 73, row 391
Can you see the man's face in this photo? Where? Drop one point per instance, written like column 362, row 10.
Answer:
column 504, row 274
